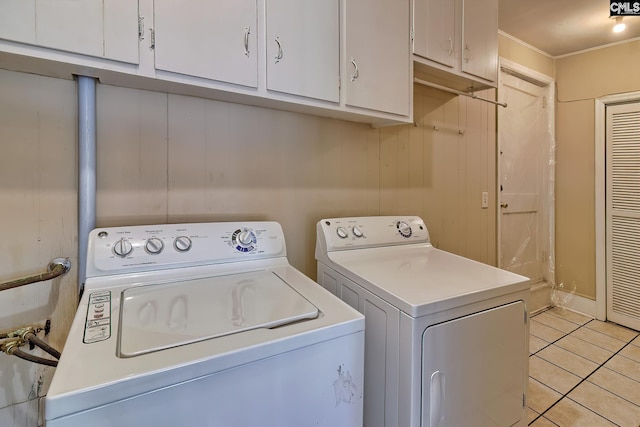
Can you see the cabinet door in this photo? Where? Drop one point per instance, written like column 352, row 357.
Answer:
column 434, row 29
column 480, row 38
column 104, row 29
column 89, row 27
column 303, row 48
column 213, row 39
column 18, row 20
column 377, row 55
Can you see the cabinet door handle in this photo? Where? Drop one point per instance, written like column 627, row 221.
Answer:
column 504, row 205
column 450, row 51
column 467, row 53
column 247, row 31
column 436, row 399
column 280, row 54
column 356, row 73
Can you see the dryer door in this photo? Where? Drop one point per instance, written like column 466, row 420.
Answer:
column 475, row 369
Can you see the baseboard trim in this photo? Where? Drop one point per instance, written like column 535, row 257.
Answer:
column 576, row 303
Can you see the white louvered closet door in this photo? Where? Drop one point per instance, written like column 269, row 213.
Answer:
column 623, row 214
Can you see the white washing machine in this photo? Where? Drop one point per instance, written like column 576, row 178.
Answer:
column 446, row 338
column 205, row 325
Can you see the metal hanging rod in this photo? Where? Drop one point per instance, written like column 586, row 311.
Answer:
column 56, row 267
column 457, row 92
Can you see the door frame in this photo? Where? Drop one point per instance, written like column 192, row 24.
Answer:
column 600, row 148
column 542, row 80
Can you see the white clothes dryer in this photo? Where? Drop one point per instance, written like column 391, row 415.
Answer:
column 446, row 337
column 205, row 325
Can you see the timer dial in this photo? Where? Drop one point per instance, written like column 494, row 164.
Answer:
column 404, row 229
column 244, row 240
column 122, row 248
column 357, row 231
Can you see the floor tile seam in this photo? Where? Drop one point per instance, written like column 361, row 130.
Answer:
column 555, row 329
column 540, row 416
column 582, row 380
column 591, row 410
column 557, row 339
column 594, row 344
column 550, row 406
column 614, row 337
column 566, row 396
column 618, row 372
column 560, row 367
column 563, row 318
column 591, row 361
column 614, row 393
column 586, row 379
column 538, row 351
column 566, row 335
column 601, row 333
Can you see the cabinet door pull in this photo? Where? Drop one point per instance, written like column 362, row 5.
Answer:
column 450, row 51
column 467, row 53
column 152, row 39
column 140, row 28
column 356, row 73
column 247, row 31
column 280, row 54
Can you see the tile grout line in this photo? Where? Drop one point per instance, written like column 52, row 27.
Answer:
column 583, row 379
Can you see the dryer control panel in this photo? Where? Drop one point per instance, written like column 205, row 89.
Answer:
column 362, row 232
column 115, row 250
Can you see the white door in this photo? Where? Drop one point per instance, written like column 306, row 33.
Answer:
column 211, row 39
column 525, row 179
column 303, row 48
column 623, row 214
column 475, row 369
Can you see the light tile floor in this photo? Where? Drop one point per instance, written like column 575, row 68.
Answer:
column 582, row 372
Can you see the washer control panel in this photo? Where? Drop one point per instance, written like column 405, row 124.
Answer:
column 362, row 232
column 114, row 250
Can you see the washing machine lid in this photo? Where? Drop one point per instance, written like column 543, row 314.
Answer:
column 157, row 317
column 421, row 279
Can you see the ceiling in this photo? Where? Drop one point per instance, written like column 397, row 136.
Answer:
column 559, row 27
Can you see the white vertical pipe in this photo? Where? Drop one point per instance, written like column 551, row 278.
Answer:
column 86, row 169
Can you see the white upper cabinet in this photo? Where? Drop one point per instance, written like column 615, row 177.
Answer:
column 456, row 42
column 18, row 20
column 303, row 41
column 348, row 59
column 215, row 40
column 435, row 37
column 480, row 38
column 378, row 55
column 98, row 28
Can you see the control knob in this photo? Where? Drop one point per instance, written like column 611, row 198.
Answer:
column 404, row 229
column 245, row 237
column 122, row 248
column 154, row 246
column 244, row 240
column 182, row 243
column 357, row 231
column 342, row 232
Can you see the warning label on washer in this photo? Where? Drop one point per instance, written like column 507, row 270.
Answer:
column 98, row 323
